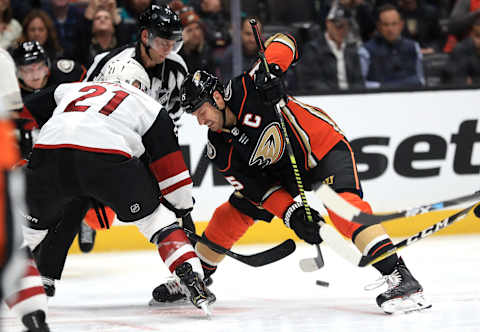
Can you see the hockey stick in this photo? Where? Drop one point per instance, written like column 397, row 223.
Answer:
column 318, row 261
column 260, row 259
column 367, row 260
column 347, row 211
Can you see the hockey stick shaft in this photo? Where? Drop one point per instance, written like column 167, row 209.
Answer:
column 347, row 211
column 260, row 259
column 444, row 223
column 291, row 155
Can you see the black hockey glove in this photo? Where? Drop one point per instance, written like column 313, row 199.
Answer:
column 270, row 85
column 295, row 218
column 239, row 136
column 179, row 213
column 25, row 140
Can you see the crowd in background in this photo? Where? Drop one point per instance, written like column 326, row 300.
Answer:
column 345, row 44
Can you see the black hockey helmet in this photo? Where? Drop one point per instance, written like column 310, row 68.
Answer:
column 198, row 88
column 162, row 22
column 29, row 52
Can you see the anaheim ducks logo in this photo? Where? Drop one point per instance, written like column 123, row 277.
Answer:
column 270, row 146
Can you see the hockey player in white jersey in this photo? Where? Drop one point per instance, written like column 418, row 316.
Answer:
column 160, row 38
column 90, row 149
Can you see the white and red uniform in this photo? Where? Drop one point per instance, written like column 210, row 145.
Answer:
column 111, row 125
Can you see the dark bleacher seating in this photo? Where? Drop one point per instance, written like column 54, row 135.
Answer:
column 434, row 68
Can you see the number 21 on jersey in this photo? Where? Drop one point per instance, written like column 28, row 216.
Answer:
column 97, row 90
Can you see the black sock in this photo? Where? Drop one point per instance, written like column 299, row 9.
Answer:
column 386, row 265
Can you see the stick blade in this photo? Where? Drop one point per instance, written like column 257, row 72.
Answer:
column 269, row 256
column 309, row 265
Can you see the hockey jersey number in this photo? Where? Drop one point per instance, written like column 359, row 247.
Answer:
column 97, row 91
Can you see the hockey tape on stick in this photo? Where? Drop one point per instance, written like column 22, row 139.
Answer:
column 338, row 244
column 444, row 223
column 260, row 259
column 337, row 204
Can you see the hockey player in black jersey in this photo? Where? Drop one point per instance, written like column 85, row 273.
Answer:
column 246, row 144
column 36, row 71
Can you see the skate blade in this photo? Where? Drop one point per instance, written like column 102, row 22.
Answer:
column 405, row 305
column 206, row 309
column 155, row 303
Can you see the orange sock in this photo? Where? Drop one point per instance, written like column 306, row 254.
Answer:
column 346, row 227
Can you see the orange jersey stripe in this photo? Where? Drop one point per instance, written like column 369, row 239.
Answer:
column 9, row 152
column 357, row 181
column 245, row 93
column 3, row 219
column 316, row 132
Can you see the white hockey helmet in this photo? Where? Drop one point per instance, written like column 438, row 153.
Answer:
column 125, row 70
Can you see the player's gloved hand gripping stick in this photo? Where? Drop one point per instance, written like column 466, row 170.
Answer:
column 327, row 233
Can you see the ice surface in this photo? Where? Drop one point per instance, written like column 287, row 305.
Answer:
column 110, row 292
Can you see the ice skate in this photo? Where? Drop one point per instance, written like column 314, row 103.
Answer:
column 86, row 237
column 198, row 293
column 35, row 322
column 170, row 292
column 404, row 293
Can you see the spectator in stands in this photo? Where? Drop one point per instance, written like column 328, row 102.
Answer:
column 389, row 60
column 249, row 52
column 328, row 62
column 68, row 21
column 216, row 23
column 421, row 25
column 22, row 8
column 104, row 30
column 463, row 15
column 108, row 5
column 98, row 38
column 132, row 8
column 39, row 26
column 195, row 51
column 129, row 13
column 461, row 19
column 362, row 21
column 464, row 62
column 289, row 12
column 10, row 29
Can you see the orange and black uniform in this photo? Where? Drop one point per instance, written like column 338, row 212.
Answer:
column 261, row 171
column 8, row 157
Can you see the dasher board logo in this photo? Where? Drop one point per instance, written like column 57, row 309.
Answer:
column 270, row 146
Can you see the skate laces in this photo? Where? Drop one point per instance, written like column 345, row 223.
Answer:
column 392, row 280
column 174, row 287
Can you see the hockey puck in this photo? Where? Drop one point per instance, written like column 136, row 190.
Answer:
column 322, row 283
column 477, row 211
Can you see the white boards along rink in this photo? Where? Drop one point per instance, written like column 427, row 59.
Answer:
column 411, row 147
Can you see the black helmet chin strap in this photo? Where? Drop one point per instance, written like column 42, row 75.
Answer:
column 146, row 45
